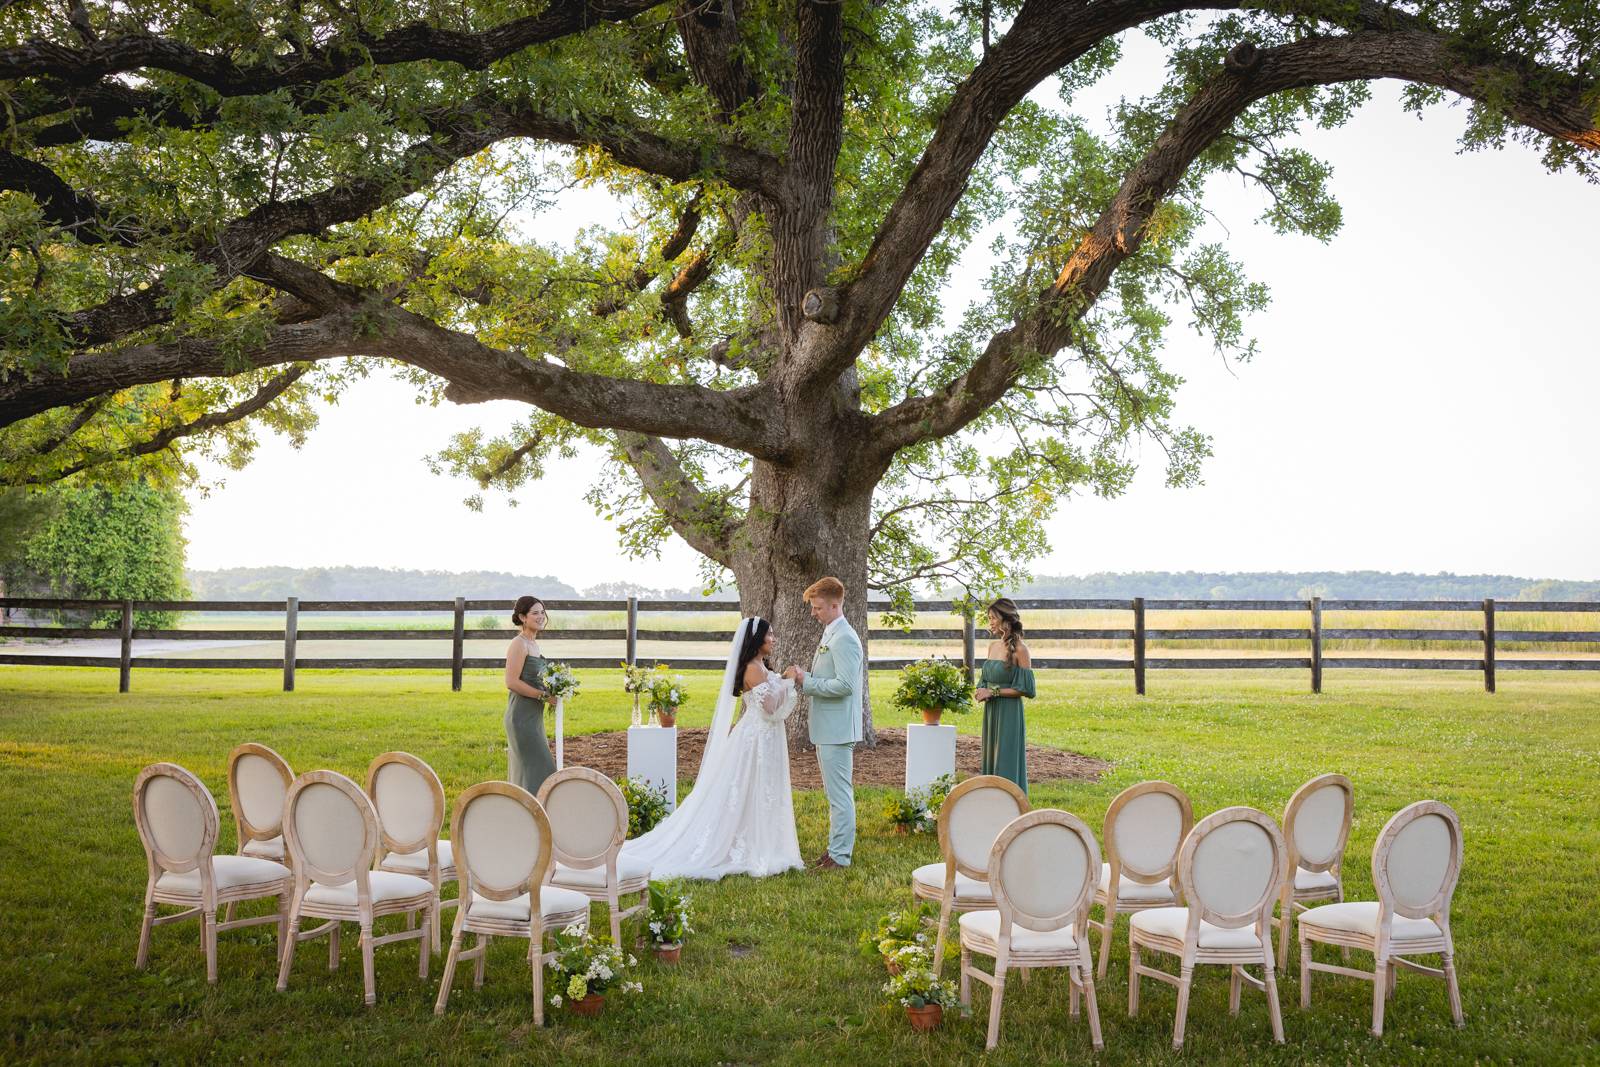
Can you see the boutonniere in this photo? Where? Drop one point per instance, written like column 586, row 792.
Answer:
column 821, row 649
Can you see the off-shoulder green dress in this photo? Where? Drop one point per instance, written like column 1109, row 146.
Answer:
column 1005, row 737
column 528, row 758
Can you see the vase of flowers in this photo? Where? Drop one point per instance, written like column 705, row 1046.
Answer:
column 585, row 969
column 933, row 686
column 667, row 694
column 922, row 993
column 668, row 919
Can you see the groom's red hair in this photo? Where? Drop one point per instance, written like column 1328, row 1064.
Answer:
column 829, row 588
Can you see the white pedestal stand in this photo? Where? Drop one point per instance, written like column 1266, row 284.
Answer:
column 653, row 756
column 930, row 753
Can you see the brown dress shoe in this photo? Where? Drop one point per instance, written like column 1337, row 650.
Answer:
column 828, row 864
column 818, row 861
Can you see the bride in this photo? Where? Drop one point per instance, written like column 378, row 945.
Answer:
column 739, row 817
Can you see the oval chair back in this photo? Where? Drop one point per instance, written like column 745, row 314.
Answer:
column 1416, row 861
column 258, row 782
column 1144, row 828
column 588, row 817
column 177, row 820
column 1316, row 824
column 331, row 830
column 1043, row 870
column 971, row 818
column 1230, row 868
column 502, row 842
column 410, row 803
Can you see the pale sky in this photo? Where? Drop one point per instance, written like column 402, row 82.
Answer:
column 1423, row 401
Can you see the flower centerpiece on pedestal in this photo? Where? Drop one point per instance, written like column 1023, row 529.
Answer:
column 668, row 693
column 933, row 686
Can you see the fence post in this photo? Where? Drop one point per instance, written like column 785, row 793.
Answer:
column 969, row 640
column 1138, row 645
column 1488, row 644
column 456, row 640
column 1316, row 644
column 291, row 634
column 125, row 673
column 633, row 630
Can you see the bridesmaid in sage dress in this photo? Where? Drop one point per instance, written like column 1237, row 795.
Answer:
column 528, row 758
column 1007, row 678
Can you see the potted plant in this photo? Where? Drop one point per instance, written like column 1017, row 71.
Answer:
column 933, row 686
column 668, row 919
column 647, row 804
column 667, row 694
column 924, row 994
column 585, row 969
column 917, row 812
column 900, row 930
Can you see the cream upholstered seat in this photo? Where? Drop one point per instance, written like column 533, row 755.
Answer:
column 410, row 804
column 332, row 832
column 1316, row 826
column 503, row 853
column 258, row 780
column 970, row 819
column 1229, row 870
column 178, row 825
column 588, row 824
column 1415, row 865
column 1042, row 870
column 1144, row 826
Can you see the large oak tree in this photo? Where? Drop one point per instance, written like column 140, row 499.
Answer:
column 214, row 213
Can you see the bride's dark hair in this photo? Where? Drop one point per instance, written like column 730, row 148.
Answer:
column 750, row 650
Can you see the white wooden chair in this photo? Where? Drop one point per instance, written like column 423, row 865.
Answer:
column 331, row 830
column 1415, row 865
column 504, row 853
column 1042, row 871
column 1145, row 825
column 1229, row 870
column 588, row 824
column 970, row 819
column 1316, row 827
column 258, row 780
column 410, row 803
column 178, row 824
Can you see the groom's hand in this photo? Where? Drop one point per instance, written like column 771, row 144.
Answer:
column 794, row 674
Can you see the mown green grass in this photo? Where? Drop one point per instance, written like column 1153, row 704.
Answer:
column 1522, row 767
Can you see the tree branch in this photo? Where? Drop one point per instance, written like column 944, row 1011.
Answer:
column 693, row 514
column 1411, row 55
column 73, row 211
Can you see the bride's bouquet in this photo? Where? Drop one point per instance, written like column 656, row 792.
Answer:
column 558, row 681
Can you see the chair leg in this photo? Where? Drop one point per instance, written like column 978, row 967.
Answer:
column 1286, row 910
column 1234, row 982
column 997, row 999
column 944, row 930
column 1270, row 979
column 430, row 923
column 1072, row 992
column 1380, row 990
column 1110, row 910
column 283, row 919
column 1185, row 980
column 449, row 970
column 536, row 960
column 142, row 959
column 333, row 948
column 479, row 963
column 438, row 910
column 1454, row 988
column 208, row 926
column 1394, row 976
column 369, row 980
column 1305, row 974
column 966, row 977
column 1090, row 1007
column 227, row 913
column 1133, row 976
column 286, row 958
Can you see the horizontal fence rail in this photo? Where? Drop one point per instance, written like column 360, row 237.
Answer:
column 1137, row 635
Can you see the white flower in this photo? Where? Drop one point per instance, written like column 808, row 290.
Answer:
column 631, row 961
column 556, row 1000
column 655, row 928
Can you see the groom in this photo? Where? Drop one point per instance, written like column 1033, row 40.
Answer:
column 834, row 686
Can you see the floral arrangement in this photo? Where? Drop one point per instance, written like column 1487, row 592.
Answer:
column 916, row 986
column 918, row 810
column 558, row 681
column 585, row 965
column 936, row 683
column 635, row 679
column 647, row 804
column 901, row 930
column 668, row 920
column 667, row 691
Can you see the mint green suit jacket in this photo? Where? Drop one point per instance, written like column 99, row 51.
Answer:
column 834, row 685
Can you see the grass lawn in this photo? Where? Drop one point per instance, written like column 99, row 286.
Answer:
column 772, row 975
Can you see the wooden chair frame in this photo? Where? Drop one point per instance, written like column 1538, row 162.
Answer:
column 203, row 904
column 1258, row 915
column 1390, row 955
column 365, row 911
column 1078, row 960
column 534, row 929
column 614, row 889
column 246, row 832
column 438, row 873
column 1290, row 900
column 1111, row 906
column 948, row 902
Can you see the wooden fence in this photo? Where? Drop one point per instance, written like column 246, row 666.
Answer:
column 1136, row 635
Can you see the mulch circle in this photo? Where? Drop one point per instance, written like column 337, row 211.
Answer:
column 884, row 764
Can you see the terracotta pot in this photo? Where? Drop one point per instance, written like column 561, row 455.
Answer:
column 901, row 828
column 930, row 716
column 590, row 1004
column 668, row 953
column 925, row 1018
column 667, row 716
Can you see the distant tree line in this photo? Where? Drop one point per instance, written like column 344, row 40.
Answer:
column 1299, row 585
column 385, row 583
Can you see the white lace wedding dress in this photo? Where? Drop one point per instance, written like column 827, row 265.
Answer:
column 739, row 817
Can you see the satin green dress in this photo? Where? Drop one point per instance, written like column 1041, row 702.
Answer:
column 1005, row 736
column 528, row 758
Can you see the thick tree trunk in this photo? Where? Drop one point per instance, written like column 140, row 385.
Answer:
column 802, row 527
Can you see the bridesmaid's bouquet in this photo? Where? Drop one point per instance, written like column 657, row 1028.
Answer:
column 558, row 681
